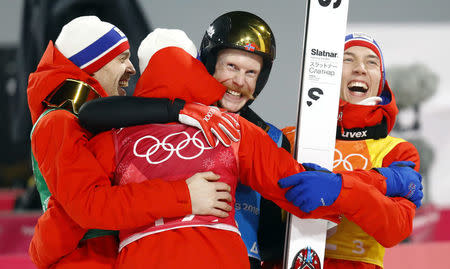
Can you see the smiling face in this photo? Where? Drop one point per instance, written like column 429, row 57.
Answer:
column 237, row 70
column 361, row 74
column 114, row 76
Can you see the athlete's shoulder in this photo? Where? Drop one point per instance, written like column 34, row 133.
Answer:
column 56, row 121
column 57, row 116
column 254, row 118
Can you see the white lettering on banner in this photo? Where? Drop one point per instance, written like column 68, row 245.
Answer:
column 27, row 230
column 168, row 147
column 345, row 161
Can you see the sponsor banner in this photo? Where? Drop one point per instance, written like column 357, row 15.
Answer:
column 16, row 231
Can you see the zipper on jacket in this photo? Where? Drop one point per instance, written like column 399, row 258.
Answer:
column 340, row 122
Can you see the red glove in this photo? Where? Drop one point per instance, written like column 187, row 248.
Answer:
column 212, row 122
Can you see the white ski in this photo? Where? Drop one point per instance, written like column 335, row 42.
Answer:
column 323, row 47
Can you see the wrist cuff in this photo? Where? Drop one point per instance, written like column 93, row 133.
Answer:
column 175, row 108
column 389, row 175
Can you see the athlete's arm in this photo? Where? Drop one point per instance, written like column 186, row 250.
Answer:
column 104, row 114
column 55, row 236
column 78, row 182
column 122, row 111
column 262, row 163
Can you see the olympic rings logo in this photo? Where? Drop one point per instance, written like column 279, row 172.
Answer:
column 345, row 161
column 166, row 146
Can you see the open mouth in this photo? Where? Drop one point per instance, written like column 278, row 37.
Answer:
column 234, row 93
column 242, row 93
column 123, row 82
column 358, row 87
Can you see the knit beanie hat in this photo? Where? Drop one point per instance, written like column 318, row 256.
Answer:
column 91, row 43
column 365, row 40
column 163, row 38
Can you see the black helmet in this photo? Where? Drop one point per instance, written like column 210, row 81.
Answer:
column 239, row 30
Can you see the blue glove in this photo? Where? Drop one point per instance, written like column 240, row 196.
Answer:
column 403, row 181
column 312, row 188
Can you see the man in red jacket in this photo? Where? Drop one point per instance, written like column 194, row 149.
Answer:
column 367, row 107
column 90, row 59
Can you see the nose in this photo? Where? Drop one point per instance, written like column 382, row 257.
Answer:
column 130, row 68
column 359, row 68
column 239, row 79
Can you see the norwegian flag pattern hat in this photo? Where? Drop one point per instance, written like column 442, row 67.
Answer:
column 365, row 40
column 91, row 43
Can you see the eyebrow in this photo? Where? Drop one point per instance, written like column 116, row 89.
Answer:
column 349, row 53
column 125, row 53
column 368, row 56
column 373, row 56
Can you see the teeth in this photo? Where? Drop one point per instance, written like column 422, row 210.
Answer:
column 233, row 92
column 123, row 83
column 358, row 84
